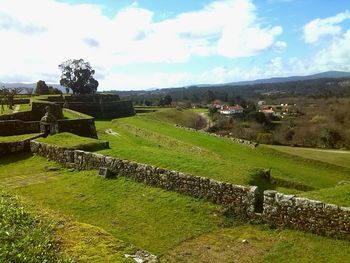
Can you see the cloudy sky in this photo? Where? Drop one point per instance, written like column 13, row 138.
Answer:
column 156, row 43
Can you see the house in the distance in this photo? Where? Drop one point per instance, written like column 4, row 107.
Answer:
column 231, row 110
column 268, row 112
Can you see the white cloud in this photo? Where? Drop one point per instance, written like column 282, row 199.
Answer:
column 38, row 35
column 336, row 55
column 319, row 28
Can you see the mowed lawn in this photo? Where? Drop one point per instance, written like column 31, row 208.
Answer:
column 175, row 227
column 152, row 138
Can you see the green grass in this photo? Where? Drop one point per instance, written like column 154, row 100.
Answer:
column 71, row 114
column 337, row 157
column 339, row 194
column 200, row 110
column 149, row 139
column 108, row 213
column 147, row 217
column 5, row 110
column 262, row 245
column 25, row 237
column 25, row 107
column 14, row 138
column 72, row 141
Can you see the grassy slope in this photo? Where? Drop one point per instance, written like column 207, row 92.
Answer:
column 181, row 228
column 24, row 237
column 147, row 139
column 72, row 141
column 14, row 138
column 148, row 217
column 337, row 157
column 6, row 110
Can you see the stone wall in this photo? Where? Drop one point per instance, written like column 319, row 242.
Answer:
column 17, row 146
column 21, row 101
column 82, row 127
column 289, row 211
column 23, row 116
column 84, row 98
column 240, row 198
column 37, row 112
column 17, row 127
column 105, row 110
column 279, row 210
column 39, row 109
column 235, row 140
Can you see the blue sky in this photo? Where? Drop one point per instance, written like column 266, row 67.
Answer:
column 148, row 44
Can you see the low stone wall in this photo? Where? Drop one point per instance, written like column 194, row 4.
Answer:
column 82, row 127
column 17, row 127
column 17, row 146
column 289, row 211
column 235, row 140
column 240, row 198
column 21, row 101
column 279, row 210
column 37, row 112
column 22, row 115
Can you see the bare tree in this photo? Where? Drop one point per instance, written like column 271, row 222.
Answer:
column 29, row 91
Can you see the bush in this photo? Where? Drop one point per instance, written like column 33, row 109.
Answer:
column 265, row 137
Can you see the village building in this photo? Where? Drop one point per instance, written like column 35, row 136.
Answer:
column 230, row 110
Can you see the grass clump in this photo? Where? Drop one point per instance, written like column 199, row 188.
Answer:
column 23, row 236
column 74, row 142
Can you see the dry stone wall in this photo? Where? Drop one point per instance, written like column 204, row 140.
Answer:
column 240, row 198
column 279, row 210
column 289, row 211
column 16, row 146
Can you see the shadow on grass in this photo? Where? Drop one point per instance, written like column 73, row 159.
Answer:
column 15, row 157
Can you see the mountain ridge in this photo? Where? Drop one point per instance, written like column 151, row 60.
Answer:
column 327, row 74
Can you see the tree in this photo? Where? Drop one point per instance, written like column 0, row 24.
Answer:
column 41, row 88
column 167, row 100
column 29, row 91
column 53, row 90
column 7, row 96
column 77, row 75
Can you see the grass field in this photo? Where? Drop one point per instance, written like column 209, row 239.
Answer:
column 5, row 110
column 14, row 138
column 101, row 220
column 24, row 237
column 336, row 157
column 72, row 141
column 108, row 218
column 153, row 139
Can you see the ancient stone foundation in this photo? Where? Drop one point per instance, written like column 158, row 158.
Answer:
column 279, row 210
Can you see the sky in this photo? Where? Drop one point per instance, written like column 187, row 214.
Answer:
column 146, row 44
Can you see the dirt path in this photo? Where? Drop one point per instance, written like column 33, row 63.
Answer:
column 16, row 109
column 205, row 116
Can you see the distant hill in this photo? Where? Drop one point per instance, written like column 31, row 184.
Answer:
column 30, row 85
column 327, row 74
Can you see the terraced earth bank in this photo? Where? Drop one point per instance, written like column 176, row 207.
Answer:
column 99, row 220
